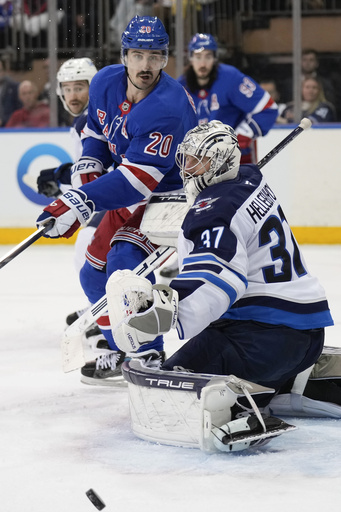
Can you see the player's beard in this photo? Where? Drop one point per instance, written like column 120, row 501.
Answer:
column 203, row 73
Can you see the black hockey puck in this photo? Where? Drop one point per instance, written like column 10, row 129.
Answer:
column 95, row 499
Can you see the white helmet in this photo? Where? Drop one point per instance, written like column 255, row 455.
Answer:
column 216, row 141
column 74, row 70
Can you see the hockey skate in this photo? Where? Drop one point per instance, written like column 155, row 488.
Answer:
column 105, row 370
column 248, row 432
column 72, row 317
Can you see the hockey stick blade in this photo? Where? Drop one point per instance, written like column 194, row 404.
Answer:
column 25, row 243
column 72, row 341
column 305, row 124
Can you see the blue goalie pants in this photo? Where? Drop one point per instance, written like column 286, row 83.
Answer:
column 265, row 354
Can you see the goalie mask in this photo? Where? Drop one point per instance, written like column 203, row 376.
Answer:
column 209, row 154
column 145, row 33
column 74, row 70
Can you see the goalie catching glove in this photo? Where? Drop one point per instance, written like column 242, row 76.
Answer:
column 68, row 212
column 138, row 310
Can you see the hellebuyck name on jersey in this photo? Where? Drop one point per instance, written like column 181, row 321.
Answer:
column 261, row 204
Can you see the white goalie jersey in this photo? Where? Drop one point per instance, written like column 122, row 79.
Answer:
column 240, row 260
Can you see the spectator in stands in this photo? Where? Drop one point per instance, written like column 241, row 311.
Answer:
column 124, row 12
column 314, row 104
column 9, row 99
column 35, row 17
column 34, row 113
column 163, row 10
column 309, row 68
column 268, row 84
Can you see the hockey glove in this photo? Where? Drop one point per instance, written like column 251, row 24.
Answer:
column 69, row 211
column 49, row 180
column 138, row 311
column 85, row 170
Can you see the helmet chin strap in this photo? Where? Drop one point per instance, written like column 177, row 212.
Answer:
column 140, row 88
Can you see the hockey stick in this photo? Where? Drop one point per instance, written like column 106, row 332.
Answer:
column 72, row 349
column 304, row 125
column 25, row 243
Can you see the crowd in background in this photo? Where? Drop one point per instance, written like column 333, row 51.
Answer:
column 321, row 96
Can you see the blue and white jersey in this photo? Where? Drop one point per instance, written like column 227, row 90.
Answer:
column 237, row 100
column 138, row 139
column 76, row 132
column 239, row 260
column 64, row 180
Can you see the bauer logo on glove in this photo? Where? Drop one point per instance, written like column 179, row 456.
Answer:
column 138, row 311
column 68, row 212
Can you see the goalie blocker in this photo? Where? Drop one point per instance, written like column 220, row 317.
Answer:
column 197, row 410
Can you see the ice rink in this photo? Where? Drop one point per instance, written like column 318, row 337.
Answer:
column 60, row 437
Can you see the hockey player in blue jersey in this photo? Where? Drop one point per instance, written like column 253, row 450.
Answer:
column 222, row 92
column 244, row 296
column 137, row 116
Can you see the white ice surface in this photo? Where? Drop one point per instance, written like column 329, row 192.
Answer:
column 58, row 437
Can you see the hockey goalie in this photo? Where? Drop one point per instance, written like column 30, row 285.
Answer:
column 252, row 313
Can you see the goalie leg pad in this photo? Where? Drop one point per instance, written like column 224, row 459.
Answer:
column 180, row 408
column 303, row 401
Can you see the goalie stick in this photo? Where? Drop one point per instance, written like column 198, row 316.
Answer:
column 25, row 243
column 305, row 124
column 72, row 345
column 73, row 357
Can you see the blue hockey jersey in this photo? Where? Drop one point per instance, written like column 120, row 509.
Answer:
column 241, row 261
column 138, row 139
column 237, row 100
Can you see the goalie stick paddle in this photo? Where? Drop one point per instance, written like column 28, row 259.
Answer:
column 72, row 345
column 25, row 243
column 305, row 124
